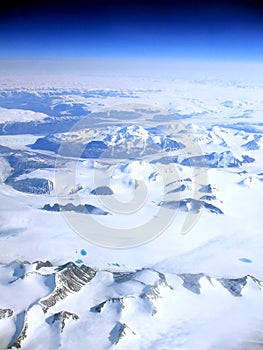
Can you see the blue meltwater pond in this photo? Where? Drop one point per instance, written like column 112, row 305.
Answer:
column 79, row 261
column 246, row 260
column 83, row 252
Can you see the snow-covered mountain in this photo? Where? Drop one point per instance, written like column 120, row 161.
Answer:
column 121, row 141
column 122, row 309
column 254, row 144
column 22, row 121
column 226, row 159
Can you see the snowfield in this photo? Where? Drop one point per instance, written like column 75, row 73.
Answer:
column 19, row 115
column 132, row 278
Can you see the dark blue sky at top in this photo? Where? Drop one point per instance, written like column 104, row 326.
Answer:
column 167, row 29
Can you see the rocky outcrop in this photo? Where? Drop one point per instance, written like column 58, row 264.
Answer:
column 119, row 302
column 63, row 317
column 191, row 281
column 119, row 331
column 81, row 208
column 191, row 205
column 68, row 279
column 33, row 185
column 5, row 313
column 102, row 191
column 225, row 159
column 234, row 286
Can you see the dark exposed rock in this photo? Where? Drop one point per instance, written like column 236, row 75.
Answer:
column 94, row 149
column 82, row 209
column 252, row 145
column 169, row 145
column 54, row 207
column 152, row 293
column 234, row 286
column 5, row 313
column 70, row 279
column 121, row 277
column 24, row 162
column 118, row 301
column 217, row 160
column 191, row 281
column 62, row 316
column 76, row 189
column 178, row 189
column 118, row 332
column 47, row 144
column 207, row 197
column 212, row 208
column 191, row 204
column 102, row 191
column 206, row 188
column 33, row 185
column 40, row 264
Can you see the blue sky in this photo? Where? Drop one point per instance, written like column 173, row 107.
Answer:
column 222, row 30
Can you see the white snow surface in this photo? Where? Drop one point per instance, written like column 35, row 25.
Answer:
column 20, row 115
column 223, row 115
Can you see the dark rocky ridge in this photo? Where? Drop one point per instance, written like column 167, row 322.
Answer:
column 32, row 185
column 191, row 205
column 102, row 191
column 81, row 208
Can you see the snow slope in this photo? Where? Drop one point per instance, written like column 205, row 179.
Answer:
column 20, row 115
column 138, row 309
